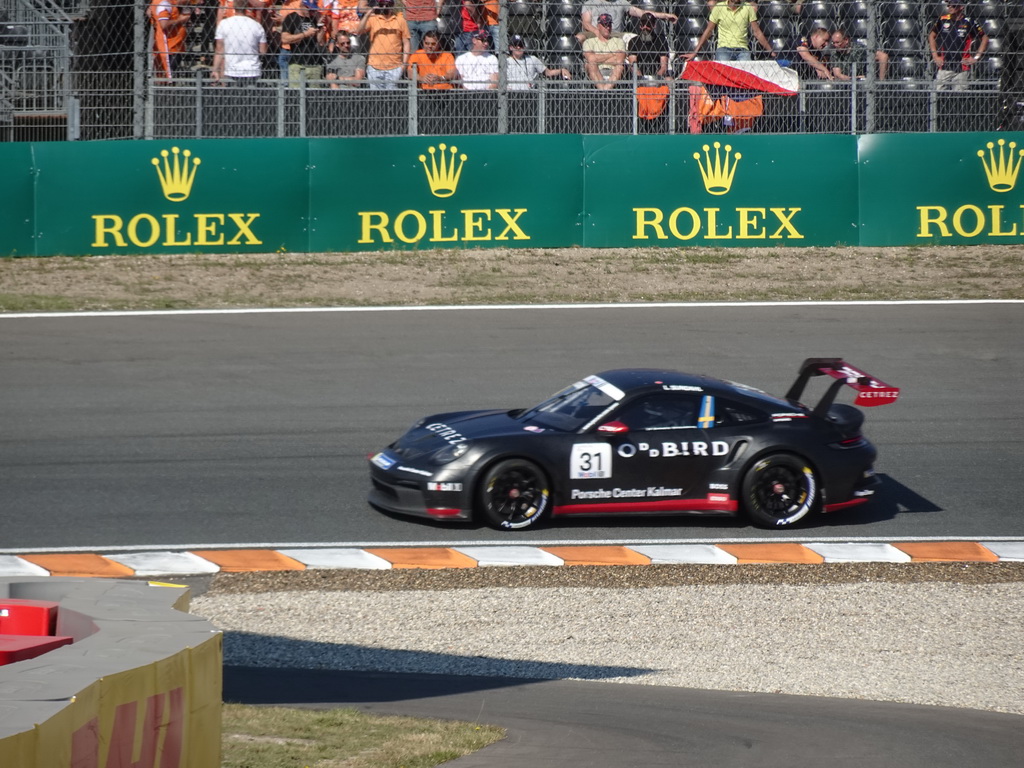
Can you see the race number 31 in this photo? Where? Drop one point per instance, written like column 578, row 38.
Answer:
column 590, row 460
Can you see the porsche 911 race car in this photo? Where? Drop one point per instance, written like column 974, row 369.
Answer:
column 640, row 441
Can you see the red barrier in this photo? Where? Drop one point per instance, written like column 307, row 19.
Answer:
column 20, row 647
column 27, row 617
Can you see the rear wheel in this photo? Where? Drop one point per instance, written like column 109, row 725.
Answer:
column 779, row 490
column 514, row 494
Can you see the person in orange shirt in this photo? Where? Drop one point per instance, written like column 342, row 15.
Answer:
column 170, row 26
column 477, row 15
column 433, row 68
column 387, row 39
column 344, row 15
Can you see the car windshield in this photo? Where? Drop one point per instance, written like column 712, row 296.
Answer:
column 573, row 407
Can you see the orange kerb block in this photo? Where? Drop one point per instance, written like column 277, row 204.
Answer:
column 947, row 552
column 599, row 555
column 771, row 553
column 80, row 564
column 423, row 557
column 244, row 560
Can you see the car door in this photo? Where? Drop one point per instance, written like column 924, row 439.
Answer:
column 666, row 452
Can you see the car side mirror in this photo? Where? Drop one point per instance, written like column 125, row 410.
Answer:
column 613, row 427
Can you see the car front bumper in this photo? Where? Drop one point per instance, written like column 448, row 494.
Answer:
column 419, row 492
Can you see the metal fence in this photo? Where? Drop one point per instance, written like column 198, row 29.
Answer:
column 85, row 69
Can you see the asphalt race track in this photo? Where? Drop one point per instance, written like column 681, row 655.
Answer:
column 178, row 429
column 556, row 723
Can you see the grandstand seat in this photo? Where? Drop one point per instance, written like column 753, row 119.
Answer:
column 563, row 25
column 858, row 9
column 987, row 9
column 564, row 8
column 857, row 26
column 691, row 8
column 690, row 25
column 522, row 8
column 774, row 9
column 897, row 9
column 819, row 9
column 989, row 68
column 906, row 68
column 904, row 28
column 906, row 46
column 778, row 27
column 13, row 35
column 653, row 6
column 560, row 45
column 686, row 43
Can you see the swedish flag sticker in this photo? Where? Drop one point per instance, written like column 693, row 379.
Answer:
column 707, row 412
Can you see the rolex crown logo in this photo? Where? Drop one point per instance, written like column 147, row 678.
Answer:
column 717, row 172
column 176, row 173
column 1002, row 170
column 443, row 172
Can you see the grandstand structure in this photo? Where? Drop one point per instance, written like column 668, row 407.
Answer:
column 84, row 70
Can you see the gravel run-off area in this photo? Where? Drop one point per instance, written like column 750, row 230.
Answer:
column 939, row 642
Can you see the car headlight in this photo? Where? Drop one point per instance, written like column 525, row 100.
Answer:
column 450, row 453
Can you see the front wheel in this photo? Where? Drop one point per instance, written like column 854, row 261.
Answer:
column 779, row 490
column 513, row 494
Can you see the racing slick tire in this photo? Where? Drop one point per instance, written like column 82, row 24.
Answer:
column 513, row 494
column 779, row 490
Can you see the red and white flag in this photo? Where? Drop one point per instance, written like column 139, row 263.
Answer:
column 764, row 76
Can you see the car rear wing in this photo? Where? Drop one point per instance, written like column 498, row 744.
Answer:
column 870, row 391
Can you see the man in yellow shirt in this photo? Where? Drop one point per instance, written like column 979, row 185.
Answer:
column 735, row 20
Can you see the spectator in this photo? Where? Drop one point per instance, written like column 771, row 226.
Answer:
column 344, row 15
column 240, row 42
column 604, row 55
column 845, row 54
column 387, row 37
column 951, row 40
column 477, row 15
column 478, row 67
column 433, row 68
column 306, row 32
column 648, row 51
column 521, row 69
column 346, row 69
column 170, row 26
column 284, row 51
column 813, row 55
column 617, row 10
column 735, row 20
column 421, row 17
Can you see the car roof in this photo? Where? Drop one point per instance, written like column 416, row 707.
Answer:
column 633, row 381
column 629, row 380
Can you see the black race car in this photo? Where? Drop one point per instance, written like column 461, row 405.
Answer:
column 640, row 441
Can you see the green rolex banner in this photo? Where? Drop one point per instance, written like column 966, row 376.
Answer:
column 231, row 196
column 316, row 195
column 17, row 201
column 441, row 192
column 719, row 190
column 941, row 189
